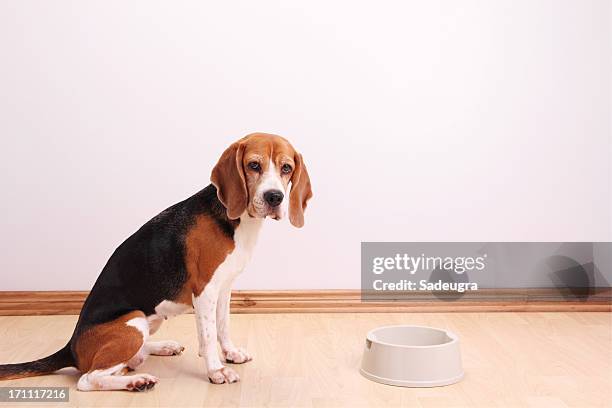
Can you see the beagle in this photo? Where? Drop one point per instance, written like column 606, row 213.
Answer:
column 183, row 259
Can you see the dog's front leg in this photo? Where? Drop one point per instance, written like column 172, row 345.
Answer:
column 231, row 353
column 205, row 306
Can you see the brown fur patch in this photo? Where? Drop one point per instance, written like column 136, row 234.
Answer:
column 206, row 247
column 108, row 344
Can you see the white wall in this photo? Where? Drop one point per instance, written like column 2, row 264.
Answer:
column 423, row 120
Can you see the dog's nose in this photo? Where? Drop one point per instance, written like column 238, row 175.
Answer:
column 273, row 197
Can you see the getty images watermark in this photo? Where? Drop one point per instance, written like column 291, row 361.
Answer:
column 413, row 264
column 455, row 270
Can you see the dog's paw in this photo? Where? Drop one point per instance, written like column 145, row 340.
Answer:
column 142, row 382
column 223, row 375
column 237, row 356
column 165, row 348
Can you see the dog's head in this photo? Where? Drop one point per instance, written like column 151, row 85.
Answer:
column 253, row 175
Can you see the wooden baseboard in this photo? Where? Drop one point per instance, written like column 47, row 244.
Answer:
column 339, row 301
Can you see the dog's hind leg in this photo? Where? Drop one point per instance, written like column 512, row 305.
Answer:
column 160, row 348
column 113, row 379
column 163, row 348
column 104, row 353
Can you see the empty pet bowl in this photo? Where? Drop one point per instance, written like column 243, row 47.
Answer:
column 412, row 356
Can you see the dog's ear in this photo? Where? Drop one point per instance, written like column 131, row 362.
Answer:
column 228, row 177
column 300, row 192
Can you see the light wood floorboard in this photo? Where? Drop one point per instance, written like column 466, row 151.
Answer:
column 311, row 360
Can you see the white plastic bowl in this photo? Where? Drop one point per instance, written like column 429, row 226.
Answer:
column 412, row 356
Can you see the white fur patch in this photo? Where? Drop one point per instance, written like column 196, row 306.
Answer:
column 99, row 379
column 141, row 324
column 164, row 310
column 168, row 308
column 270, row 180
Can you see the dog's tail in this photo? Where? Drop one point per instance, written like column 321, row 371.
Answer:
column 47, row 365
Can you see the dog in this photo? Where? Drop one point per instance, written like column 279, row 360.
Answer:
column 184, row 259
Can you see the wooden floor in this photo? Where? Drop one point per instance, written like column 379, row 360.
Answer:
column 511, row 359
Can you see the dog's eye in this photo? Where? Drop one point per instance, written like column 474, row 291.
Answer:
column 255, row 166
column 286, row 169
